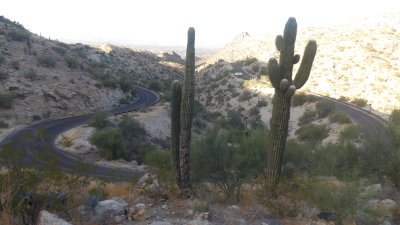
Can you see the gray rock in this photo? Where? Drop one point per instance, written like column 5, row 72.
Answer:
column 115, row 205
column 149, row 185
column 198, row 222
column 47, row 218
column 161, row 223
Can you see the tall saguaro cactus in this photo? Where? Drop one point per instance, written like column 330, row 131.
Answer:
column 176, row 89
column 280, row 76
column 182, row 117
column 187, row 113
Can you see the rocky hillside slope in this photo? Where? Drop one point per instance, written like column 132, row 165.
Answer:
column 42, row 78
column 357, row 60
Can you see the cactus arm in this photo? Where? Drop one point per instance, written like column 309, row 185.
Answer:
column 306, row 63
column 287, row 52
column 273, row 72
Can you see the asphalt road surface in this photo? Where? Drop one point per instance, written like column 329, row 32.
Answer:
column 40, row 137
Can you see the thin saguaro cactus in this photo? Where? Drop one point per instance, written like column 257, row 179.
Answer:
column 176, row 89
column 280, row 76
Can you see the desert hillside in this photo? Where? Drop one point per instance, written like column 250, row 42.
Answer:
column 42, row 78
column 355, row 60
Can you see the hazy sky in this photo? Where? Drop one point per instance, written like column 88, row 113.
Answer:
column 165, row 22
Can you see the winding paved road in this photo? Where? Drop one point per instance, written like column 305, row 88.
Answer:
column 32, row 141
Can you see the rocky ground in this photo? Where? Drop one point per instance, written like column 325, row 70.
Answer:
column 148, row 202
column 219, row 90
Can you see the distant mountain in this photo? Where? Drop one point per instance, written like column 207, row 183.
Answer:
column 360, row 59
column 172, row 57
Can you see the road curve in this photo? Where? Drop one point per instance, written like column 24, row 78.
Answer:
column 32, row 142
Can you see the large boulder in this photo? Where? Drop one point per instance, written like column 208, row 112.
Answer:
column 149, row 185
column 114, row 206
column 47, row 218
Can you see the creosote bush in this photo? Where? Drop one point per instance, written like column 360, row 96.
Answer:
column 46, row 61
column 360, row 102
column 312, row 133
column 339, row 117
column 324, row 108
column 6, row 101
column 350, row 133
column 99, row 120
column 300, row 98
column 110, row 142
column 307, row 117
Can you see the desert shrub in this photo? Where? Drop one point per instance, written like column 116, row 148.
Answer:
column 158, row 159
column 228, row 159
column 3, row 75
column 155, row 85
column 200, row 207
column 31, row 75
column 46, row 61
column 394, row 127
column 350, row 133
column 126, row 84
column 300, row 98
column 339, row 117
column 110, row 83
column 246, row 95
column 71, row 62
column 110, row 142
column 254, row 111
column 234, row 94
column 66, row 141
column 344, row 99
column 18, row 35
column 360, row 102
column 15, row 64
column 4, row 124
column 6, row 101
column 2, row 58
column 99, row 120
column 234, row 120
column 60, row 50
column 307, row 117
column 134, row 135
column 324, row 108
column 96, row 194
column 312, row 133
column 255, row 68
column 36, row 117
column 250, row 61
column 262, row 103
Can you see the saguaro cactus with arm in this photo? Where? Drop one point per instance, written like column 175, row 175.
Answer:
column 280, row 76
column 187, row 106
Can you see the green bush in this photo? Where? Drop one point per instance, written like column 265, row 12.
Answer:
column 60, row 50
column 18, row 35
column 110, row 142
column 36, row 117
column 126, row 84
column 324, row 108
column 134, row 135
column 250, row 61
column 4, row 124
column 262, row 103
column 99, row 120
column 46, row 61
column 360, row 102
column 307, row 117
column 339, row 117
column 350, row 133
column 300, row 98
column 2, row 58
column 246, row 95
column 312, row 133
column 110, row 83
column 66, row 141
column 228, row 159
column 31, row 75
column 254, row 111
column 394, row 127
column 158, row 159
column 6, row 101
column 71, row 62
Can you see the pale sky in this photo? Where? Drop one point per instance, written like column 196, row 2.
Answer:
column 165, row 22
